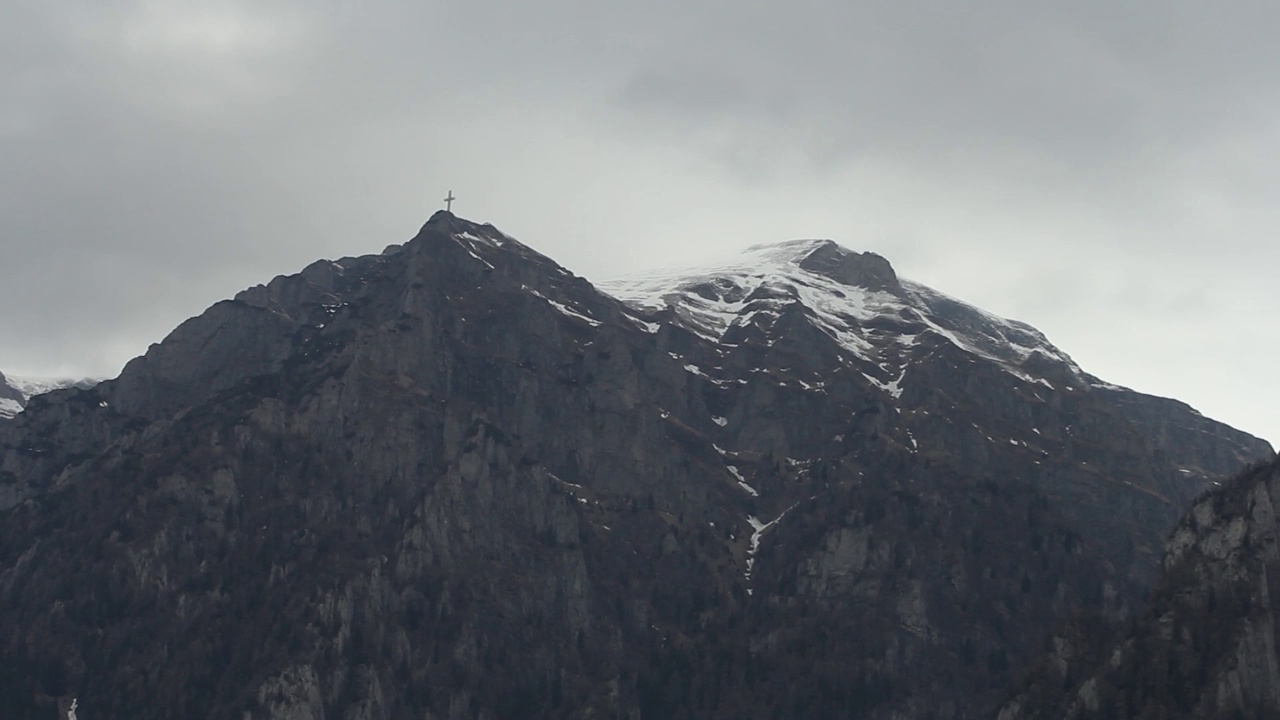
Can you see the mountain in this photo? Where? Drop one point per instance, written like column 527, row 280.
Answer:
column 824, row 314
column 1204, row 646
column 15, row 392
column 455, row 480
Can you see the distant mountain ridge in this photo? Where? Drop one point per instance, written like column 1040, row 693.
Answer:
column 456, row 480
column 15, row 392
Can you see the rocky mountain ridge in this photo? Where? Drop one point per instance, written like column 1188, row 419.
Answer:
column 455, row 480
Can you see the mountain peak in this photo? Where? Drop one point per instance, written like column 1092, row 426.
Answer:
column 446, row 222
column 867, row 270
column 852, row 297
column 823, row 257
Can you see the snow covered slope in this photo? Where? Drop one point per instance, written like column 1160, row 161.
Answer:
column 16, row 391
column 855, row 298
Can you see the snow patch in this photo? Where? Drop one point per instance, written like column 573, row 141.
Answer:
column 9, row 408
column 758, row 530
column 468, row 244
column 473, row 238
column 564, row 309
column 894, row 388
column 566, row 483
column 742, row 482
column 649, row 327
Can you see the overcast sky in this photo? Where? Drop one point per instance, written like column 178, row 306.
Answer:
column 1107, row 171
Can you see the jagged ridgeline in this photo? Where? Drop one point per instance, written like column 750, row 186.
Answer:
column 454, row 480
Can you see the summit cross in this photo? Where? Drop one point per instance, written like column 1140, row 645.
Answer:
column 448, row 202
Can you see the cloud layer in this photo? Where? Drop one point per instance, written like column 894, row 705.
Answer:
column 1102, row 170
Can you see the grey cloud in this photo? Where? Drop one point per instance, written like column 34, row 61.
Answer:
column 1103, row 170
column 959, row 69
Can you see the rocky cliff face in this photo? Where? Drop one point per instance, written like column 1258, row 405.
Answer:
column 1204, row 647
column 454, row 480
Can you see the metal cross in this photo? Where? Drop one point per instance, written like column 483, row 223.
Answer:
column 448, row 202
